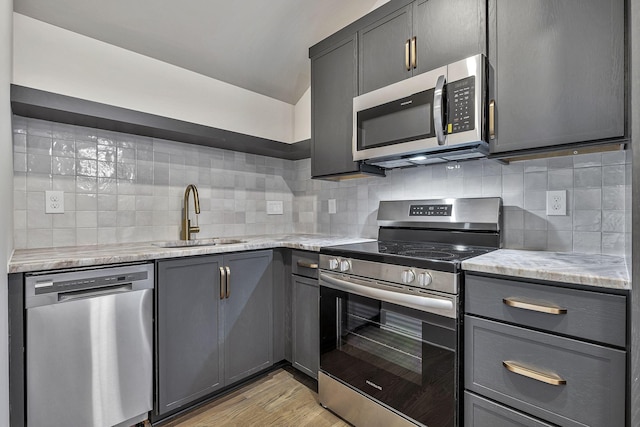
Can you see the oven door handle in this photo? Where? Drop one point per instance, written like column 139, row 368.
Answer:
column 428, row 303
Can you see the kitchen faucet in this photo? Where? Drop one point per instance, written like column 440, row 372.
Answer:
column 187, row 229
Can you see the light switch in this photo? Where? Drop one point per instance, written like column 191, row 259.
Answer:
column 332, row 206
column 275, row 207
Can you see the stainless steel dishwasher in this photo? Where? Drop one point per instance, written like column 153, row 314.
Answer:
column 89, row 346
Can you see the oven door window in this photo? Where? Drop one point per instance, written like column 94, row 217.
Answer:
column 404, row 358
column 405, row 119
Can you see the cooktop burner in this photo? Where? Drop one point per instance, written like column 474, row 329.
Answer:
column 435, row 251
column 440, row 256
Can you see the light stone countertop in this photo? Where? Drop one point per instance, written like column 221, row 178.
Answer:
column 28, row 260
column 606, row 271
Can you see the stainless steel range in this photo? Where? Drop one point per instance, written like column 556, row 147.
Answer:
column 390, row 312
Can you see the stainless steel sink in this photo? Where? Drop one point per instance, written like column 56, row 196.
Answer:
column 198, row 242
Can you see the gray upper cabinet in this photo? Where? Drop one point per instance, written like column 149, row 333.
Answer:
column 334, row 84
column 420, row 37
column 248, row 314
column 188, row 336
column 383, row 50
column 447, row 31
column 559, row 72
column 392, row 43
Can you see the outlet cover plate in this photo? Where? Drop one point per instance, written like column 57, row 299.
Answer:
column 54, row 202
column 557, row 202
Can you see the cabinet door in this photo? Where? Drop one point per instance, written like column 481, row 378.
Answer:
column 382, row 58
column 306, row 325
column 559, row 71
column 248, row 315
column 333, row 86
column 188, row 340
column 447, row 31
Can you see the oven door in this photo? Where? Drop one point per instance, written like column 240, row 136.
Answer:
column 391, row 348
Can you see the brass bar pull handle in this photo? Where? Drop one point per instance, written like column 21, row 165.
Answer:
column 407, row 55
column 228, row 281
column 547, row 378
column 512, row 302
column 492, row 119
column 223, row 282
column 306, row 264
column 414, row 52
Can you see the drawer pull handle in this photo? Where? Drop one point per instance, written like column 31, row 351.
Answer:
column 511, row 302
column 306, row 264
column 552, row 379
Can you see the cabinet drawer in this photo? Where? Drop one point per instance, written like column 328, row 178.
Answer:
column 590, row 315
column 593, row 392
column 480, row 412
column 304, row 263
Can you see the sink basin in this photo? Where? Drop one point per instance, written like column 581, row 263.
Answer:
column 199, row 242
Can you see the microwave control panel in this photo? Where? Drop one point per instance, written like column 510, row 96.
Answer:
column 462, row 97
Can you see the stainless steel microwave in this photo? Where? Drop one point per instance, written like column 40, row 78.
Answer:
column 433, row 117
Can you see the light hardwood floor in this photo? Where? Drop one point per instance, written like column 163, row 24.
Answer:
column 275, row 400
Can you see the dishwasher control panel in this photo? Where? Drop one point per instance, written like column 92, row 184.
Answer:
column 46, row 287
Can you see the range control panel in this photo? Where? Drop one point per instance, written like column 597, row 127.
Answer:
column 430, row 210
column 461, row 95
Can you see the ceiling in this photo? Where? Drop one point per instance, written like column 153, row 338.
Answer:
column 259, row 45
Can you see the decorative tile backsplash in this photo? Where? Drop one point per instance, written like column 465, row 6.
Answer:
column 124, row 188
column 596, row 186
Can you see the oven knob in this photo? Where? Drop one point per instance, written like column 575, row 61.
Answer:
column 333, row 264
column 424, row 279
column 345, row 265
column 408, row 276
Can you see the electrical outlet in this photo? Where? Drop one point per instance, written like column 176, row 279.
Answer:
column 54, row 202
column 557, row 202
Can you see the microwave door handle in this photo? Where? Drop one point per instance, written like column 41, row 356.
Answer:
column 438, row 110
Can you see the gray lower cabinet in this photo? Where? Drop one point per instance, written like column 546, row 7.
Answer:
column 210, row 335
column 189, row 342
column 481, row 412
column 559, row 72
column 305, row 313
column 248, row 315
column 306, row 328
column 538, row 353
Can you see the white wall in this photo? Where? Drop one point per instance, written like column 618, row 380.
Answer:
column 302, row 114
column 6, row 194
column 60, row 61
column 302, row 117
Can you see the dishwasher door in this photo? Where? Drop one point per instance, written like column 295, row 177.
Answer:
column 89, row 347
